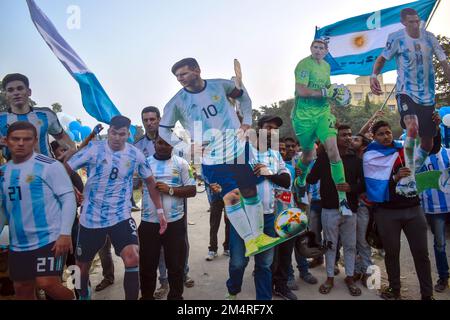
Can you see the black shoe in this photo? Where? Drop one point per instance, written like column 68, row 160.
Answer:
column 105, row 283
column 285, row 293
column 390, row 294
column 427, row 298
column 442, row 285
column 7, row 287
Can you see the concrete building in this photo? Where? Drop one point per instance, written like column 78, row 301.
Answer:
column 362, row 88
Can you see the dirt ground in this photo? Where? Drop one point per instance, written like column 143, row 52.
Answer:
column 210, row 277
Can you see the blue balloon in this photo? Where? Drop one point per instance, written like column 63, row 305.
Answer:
column 77, row 135
column 71, row 136
column 85, row 132
column 74, row 126
column 444, row 110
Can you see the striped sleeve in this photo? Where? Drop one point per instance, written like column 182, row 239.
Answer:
column 82, row 158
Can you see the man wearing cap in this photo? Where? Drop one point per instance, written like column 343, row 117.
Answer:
column 312, row 118
column 17, row 92
column 107, row 206
column 270, row 169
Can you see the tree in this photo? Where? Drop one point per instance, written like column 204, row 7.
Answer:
column 354, row 116
column 139, row 133
column 367, row 103
column 281, row 109
column 256, row 114
column 442, row 83
column 357, row 116
column 56, row 107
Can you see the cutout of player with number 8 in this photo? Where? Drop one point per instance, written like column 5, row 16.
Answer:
column 106, row 207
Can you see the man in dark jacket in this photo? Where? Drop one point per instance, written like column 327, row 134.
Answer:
column 336, row 225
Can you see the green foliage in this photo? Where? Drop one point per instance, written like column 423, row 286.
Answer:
column 354, row 116
column 357, row 116
column 57, row 107
column 139, row 133
column 281, row 109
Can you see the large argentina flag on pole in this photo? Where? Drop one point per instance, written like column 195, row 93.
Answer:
column 355, row 43
column 95, row 100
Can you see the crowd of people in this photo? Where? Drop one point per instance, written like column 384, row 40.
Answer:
column 342, row 180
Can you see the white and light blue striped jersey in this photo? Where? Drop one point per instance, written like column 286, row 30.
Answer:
column 210, row 118
column 29, row 192
column 45, row 121
column 414, row 58
column 109, row 185
column 284, row 198
column 266, row 189
column 314, row 191
column 147, row 146
column 436, row 201
column 174, row 172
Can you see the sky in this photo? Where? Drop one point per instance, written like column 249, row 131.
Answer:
column 132, row 45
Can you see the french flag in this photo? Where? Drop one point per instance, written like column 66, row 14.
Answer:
column 378, row 162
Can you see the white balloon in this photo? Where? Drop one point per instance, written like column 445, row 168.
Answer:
column 65, row 119
column 446, row 120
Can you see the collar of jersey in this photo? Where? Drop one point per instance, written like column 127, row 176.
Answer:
column 408, row 36
column 22, row 163
column 112, row 151
column 191, row 92
column 9, row 110
column 158, row 157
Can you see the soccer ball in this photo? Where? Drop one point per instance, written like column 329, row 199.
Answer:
column 291, row 222
column 343, row 96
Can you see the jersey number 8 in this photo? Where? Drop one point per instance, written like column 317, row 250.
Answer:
column 114, row 173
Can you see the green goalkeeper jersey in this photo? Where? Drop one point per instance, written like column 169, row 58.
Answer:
column 314, row 76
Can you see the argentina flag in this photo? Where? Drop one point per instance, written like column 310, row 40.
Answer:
column 378, row 162
column 355, row 43
column 95, row 100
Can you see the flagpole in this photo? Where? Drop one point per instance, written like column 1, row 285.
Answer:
column 387, row 98
column 426, row 26
column 433, row 12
